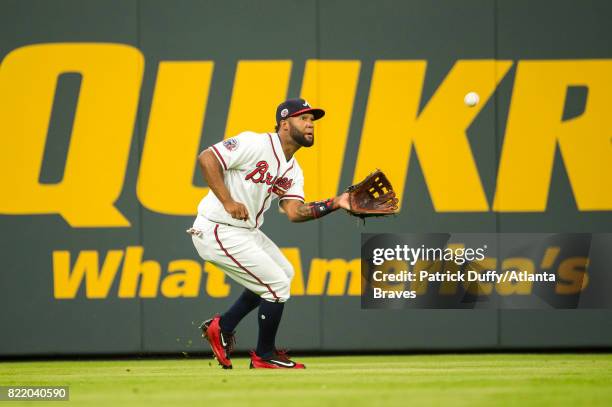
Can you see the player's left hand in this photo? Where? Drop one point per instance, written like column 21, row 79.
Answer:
column 343, row 201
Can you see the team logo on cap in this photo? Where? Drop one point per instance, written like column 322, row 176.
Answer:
column 284, row 112
column 306, row 104
column 231, row 144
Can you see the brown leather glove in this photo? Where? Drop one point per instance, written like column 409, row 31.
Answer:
column 373, row 196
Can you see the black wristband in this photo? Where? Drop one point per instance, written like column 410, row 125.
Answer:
column 322, row 208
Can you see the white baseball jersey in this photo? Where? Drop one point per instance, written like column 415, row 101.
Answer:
column 255, row 173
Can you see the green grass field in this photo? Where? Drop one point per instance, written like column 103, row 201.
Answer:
column 445, row 380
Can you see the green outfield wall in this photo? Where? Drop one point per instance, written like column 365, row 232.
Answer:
column 105, row 105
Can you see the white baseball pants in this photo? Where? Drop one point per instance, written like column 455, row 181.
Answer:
column 247, row 256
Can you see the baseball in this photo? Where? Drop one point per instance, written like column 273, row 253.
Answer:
column 471, row 99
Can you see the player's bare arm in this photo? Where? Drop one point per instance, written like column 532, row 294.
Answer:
column 298, row 211
column 213, row 174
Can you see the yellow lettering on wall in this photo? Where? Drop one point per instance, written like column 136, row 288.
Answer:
column 393, row 101
column 293, row 255
column 550, row 255
column 573, row 276
column 184, row 279
column 331, row 85
column 438, row 133
column 135, row 270
column 535, row 127
column 216, row 286
column 101, row 133
column 66, row 283
column 165, row 182
column 339, row 271
column 259, row 87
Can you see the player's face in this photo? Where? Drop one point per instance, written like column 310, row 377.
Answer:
column 301, row 129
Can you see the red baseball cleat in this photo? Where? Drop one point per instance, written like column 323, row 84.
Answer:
column 279, row 360
column 221, row 343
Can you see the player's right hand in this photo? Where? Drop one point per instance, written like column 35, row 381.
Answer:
column 237, row 210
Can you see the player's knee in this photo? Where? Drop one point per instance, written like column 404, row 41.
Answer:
column 289, row 271
column 287, row 268
column 280, row 290
column 285, row 290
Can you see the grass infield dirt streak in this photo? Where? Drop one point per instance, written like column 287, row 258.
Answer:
column 445, row 380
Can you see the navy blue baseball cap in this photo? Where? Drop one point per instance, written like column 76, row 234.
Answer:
column 295, row 107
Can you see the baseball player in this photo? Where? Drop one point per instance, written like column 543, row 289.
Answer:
column 245, row 174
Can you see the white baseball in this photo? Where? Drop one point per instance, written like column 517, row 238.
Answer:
column 471, row 99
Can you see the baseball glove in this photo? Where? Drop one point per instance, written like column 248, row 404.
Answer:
column 373, row 196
